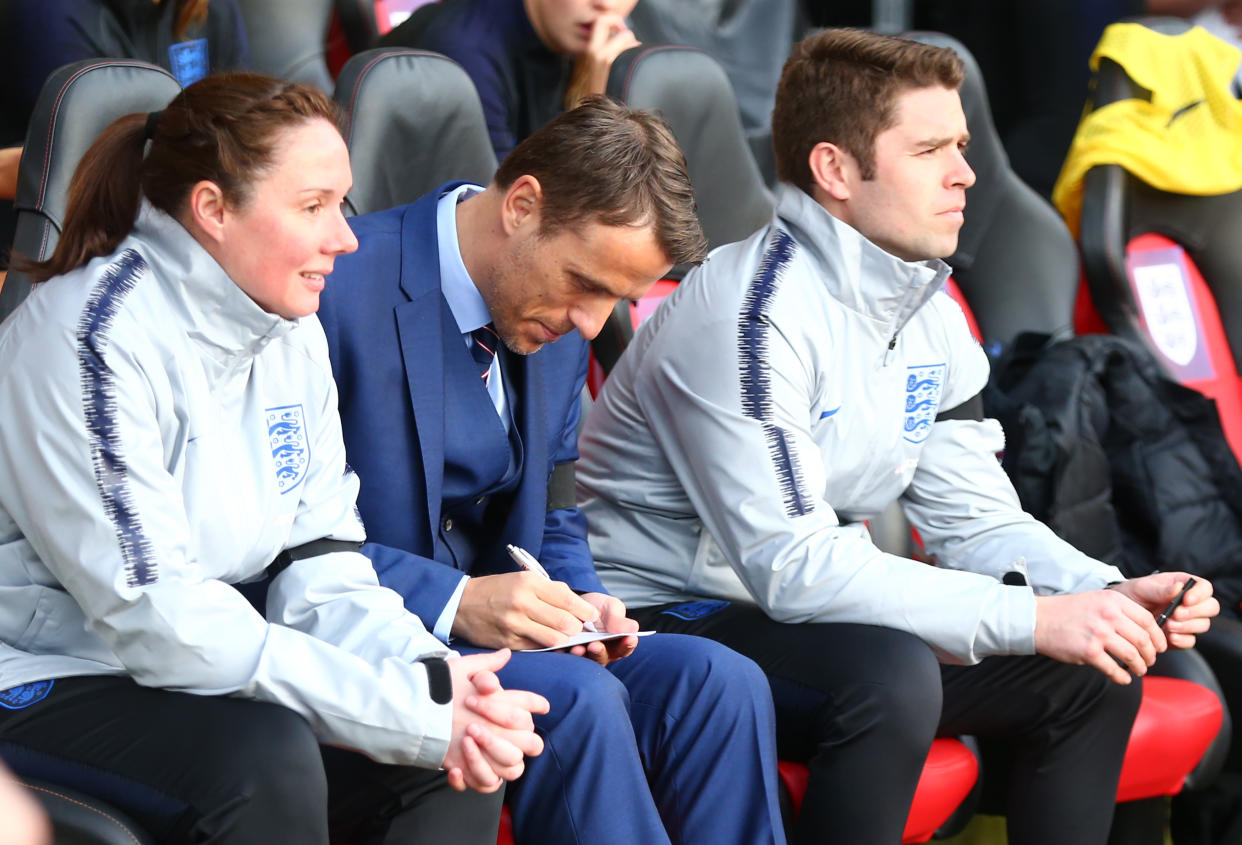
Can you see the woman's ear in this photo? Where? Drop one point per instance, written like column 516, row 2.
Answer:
column 207, row 210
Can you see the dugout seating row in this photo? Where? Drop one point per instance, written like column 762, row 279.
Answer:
column 69, row 116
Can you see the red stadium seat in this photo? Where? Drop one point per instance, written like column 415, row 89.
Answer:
column 1176, row 723
column 948, row 777
column 1162, row 268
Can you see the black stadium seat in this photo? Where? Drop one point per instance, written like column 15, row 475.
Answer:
column 690, row 90
column 79, row 819
column 288, row 39
column 76, row 103
column 413, row 122
column 1015, row 262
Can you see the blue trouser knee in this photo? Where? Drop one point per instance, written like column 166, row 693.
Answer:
column 686, row 715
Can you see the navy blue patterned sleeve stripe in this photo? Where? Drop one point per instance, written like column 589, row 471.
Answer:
column 753, row 328
column 99, row 402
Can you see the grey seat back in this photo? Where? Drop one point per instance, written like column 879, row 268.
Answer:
column 77, row 102
column 1016, row 262
column 692, row 92
column 413, row 122
column 288, row 39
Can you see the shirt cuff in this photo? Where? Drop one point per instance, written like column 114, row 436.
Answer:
column 444, row 624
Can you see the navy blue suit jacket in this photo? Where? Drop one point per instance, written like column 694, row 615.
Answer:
column 386, row 319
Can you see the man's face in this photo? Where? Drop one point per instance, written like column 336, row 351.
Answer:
column 913, row 206
column 550, row 285
column 565, row 25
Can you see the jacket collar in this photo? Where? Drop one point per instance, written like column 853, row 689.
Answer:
column 860, row 275
column 218, row 315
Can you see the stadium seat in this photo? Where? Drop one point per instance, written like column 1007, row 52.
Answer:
column 1162, row 268
column 79, row 819
column 948, row 777
column 76, row 103
column 288, row 39
column 413, row 121
column 749, row 38
column 691, row 91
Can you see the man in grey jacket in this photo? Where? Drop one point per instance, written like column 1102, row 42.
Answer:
column 795, row 386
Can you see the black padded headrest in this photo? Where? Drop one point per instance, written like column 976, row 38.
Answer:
column 288, row 39
column 1016, row 261
column 76, row 103
column 693, row 94
column 414, row 122
column 750, row 38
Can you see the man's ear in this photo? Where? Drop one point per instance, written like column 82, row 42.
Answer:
column 522, row 204
column 207, row 209
column 833, row 170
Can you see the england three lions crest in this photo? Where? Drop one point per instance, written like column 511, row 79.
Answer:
column 923, row 387
column 286, row 433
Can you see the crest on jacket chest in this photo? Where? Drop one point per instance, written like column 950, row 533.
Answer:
column 286, row 433
column 924, row 385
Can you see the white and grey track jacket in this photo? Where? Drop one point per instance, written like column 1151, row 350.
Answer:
column 787, row 391
column 161, row 438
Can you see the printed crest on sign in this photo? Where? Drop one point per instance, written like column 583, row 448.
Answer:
column 924, row 385
column 286, row 433
column 1170, row 317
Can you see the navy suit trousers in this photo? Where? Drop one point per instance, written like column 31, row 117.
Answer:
column 684, row 715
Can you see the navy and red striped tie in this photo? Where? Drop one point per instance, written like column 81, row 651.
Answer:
column 483, row 342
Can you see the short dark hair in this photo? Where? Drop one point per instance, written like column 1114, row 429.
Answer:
column 840, row 86
column 607, row 163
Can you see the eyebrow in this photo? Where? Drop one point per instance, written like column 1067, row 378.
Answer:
column 940, row 142
column 597, row 286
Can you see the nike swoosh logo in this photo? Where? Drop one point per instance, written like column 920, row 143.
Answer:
column 827, row 414
column 1182, row 111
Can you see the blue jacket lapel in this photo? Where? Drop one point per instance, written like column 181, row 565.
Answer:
column 420, row 329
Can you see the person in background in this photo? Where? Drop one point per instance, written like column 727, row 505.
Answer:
column 798, row 384
column 529, row 59
column 458, row 336
column 170, row 432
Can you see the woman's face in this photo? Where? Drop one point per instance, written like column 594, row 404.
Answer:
column 281, row 243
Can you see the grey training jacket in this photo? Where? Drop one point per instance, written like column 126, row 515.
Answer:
column 162, row 438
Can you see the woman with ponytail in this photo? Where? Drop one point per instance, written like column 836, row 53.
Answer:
column 170, row 431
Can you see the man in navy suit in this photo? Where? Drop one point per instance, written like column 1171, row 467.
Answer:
column 464, row 444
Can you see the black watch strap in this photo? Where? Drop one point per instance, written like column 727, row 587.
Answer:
column 439, row 679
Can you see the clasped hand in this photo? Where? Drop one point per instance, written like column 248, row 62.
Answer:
column 1115, row 630
column 493, row 728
